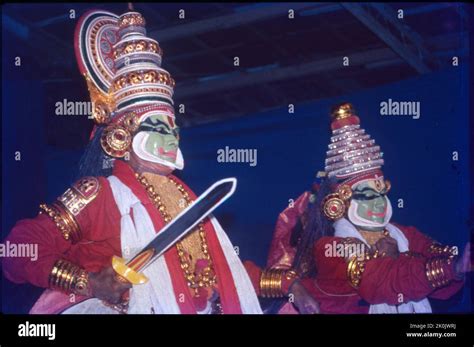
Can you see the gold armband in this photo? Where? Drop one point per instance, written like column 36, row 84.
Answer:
column 64, row 210
column 66, row 223
column 356, row 267
column 69, row 278
column 271, row 282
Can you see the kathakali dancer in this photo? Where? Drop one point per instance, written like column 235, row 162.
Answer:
column 99, row 217
column 346, row 253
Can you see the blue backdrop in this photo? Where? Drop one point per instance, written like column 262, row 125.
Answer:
column 290, row 150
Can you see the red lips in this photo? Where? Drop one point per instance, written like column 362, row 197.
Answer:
column 380, row 214
column 170, row 153
column 377, row 214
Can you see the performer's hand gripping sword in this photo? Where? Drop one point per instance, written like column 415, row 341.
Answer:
column 171, row 233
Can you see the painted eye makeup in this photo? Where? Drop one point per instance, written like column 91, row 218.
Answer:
column 157, row 126
column 149, row 127
column 367, row 194
column 161, row 130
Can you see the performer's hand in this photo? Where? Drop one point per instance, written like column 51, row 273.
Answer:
column 105, row 286
column 463, row 264
column 388, row 245
column 303, row 301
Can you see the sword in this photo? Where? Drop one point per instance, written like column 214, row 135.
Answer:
column 182, row 224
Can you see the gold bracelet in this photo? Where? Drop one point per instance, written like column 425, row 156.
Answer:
column 69, row 278
column 271, row 282
column 435, row 271
column 266, row 284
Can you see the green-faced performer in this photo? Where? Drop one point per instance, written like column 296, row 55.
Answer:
column 348, row 255
column 127, row 195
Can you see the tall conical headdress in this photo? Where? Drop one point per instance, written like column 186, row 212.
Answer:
column 352, row 157
column 351, row 151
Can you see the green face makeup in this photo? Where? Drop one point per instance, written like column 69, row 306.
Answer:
column 371, row 202
column 163, row 139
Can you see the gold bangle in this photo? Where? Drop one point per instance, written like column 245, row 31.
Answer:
column 271, row 283
column 69, row 278
column 435, row 272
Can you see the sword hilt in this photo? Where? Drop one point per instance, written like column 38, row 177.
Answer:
column 127, row 273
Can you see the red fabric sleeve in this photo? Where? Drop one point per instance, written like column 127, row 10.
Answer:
column 40, row 231
column 95, row 222
column 254, row 273
column 281, row 253
column 419, row 242
column 387, row 280
column 100, row 220
column 383, row 280
column 331, row 269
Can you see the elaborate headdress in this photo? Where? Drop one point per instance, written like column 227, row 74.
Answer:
column 122, row 67
column 352, row 157
column 351, row 151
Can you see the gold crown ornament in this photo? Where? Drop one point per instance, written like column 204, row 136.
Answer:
column 341, row 111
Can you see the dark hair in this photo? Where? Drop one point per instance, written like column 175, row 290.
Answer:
column 311, row 226
column 94, row 162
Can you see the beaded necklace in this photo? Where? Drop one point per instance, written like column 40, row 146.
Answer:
column 206, row 278
column 373, row 236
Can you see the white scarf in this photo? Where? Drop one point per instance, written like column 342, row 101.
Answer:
column 344, row 228
column 157, row 295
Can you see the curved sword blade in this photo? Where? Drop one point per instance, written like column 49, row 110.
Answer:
column 184, row 222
